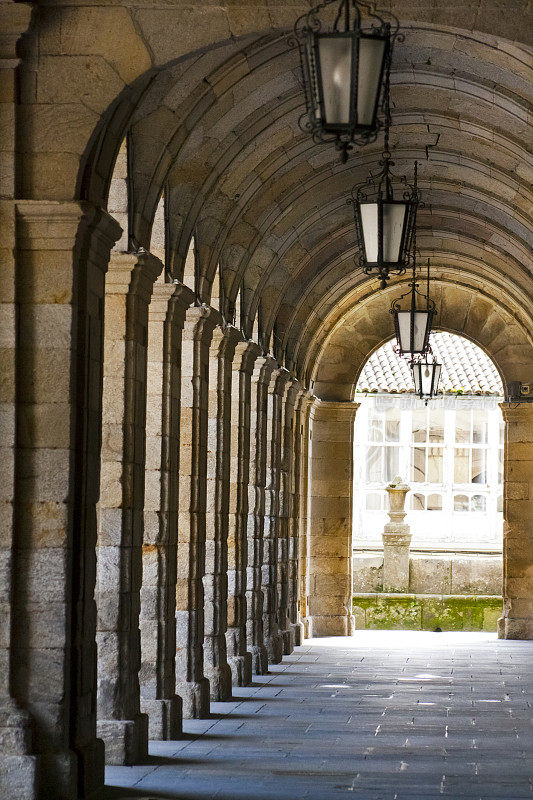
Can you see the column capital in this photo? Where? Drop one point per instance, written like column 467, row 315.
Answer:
column 133, row 273
column 341, row 410
column 200, row 322
column 521, row 413
column 264, row 367
column 170, row 299
column 246, row 354
column 56, row 225
column 225, row 340
column 14, row 21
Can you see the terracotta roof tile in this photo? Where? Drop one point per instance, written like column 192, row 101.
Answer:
column 465, row 368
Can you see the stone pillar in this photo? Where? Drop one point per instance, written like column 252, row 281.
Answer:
column 517, row 619
column 191, row 682
column 158, row 592
column 260, row 379
column 49, row 678
column 396, row 541
column 242, row 577
column 121, row 725
column 297, row 434
column 272, row 634
column 330, row 554
column 216, row 666
column 306, row 405
column 286, row 499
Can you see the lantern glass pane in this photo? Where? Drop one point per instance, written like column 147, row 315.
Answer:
column 427, row 378
column 371, row 54
column 394, row 215
column 369, row 223
column 420, row 321
column 335, row 57
column 416, row 377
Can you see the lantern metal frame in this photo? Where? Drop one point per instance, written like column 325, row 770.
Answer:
column 436, row 373
column 307, row 30
column 378, row 189
column 414, row 293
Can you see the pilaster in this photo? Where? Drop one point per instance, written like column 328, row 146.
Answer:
column 330, row 541
column 158, row 592
column 216, row 666
column 62, row 251
column 191, row 683
column 241, row 572
column 517, row 619
column 129, row 285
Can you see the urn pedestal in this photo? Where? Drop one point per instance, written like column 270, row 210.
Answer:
column 396, row 542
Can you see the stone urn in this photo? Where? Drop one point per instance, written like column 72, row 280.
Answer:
column 396, row 540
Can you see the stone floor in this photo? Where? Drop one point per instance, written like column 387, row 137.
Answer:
column 385, row 715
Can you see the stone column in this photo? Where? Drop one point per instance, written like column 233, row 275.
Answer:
column 121, row 725
column 216, row 666
column 286, row 499
column 158, row 592
column 242, row 578
column 517, row 619
column 330, row 554
column 272, row 634
column 260, row 378
column 306, row 405
column 191, row 682
column 295, row 623
column 55, row 354
column 396, row 541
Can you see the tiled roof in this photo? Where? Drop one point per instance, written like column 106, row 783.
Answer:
column 465, row 368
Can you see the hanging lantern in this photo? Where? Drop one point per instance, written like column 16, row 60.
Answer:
column 343, row 72
column 413, row 324
column 385, row 224
column 426, row 377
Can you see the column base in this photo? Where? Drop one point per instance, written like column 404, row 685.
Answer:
column 195, row 697
column 220, row 679
column 515, row 628
column 259, row 660
column 164, row 718
column 125, row 740
column 241, row 669
column 274, row 648
column 297, row 629
column 18, row 777
column 329, row 626
column 91, row 767
column 288, row 641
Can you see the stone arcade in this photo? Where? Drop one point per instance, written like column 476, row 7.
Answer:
column 182, row 329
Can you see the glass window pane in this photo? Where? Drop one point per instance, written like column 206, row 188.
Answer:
column 373, row 465
column 392, row 425
column 480, row 427
column 436, row 425
column 419, row 425
column 462, row 426
column 373, row 501
column 499, row 503
column 435, row 464
column 479, row 503
column 502, row 433
column 461, row 474
column 460, row 502
column 418, row 464
column 392, row 462
column 479, row 465
column 417, row 502
column 435, row 502
column 375, row 429
column 500, row 465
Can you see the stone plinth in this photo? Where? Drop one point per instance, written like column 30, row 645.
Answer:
column 396, row 542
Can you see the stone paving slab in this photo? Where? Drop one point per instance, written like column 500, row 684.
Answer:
column 384, row 715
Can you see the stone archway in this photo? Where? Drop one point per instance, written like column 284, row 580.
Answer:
column 507, row 339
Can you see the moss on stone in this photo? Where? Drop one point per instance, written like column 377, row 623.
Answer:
column 426, row 612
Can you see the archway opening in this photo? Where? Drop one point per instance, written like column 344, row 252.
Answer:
column 440, row 567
